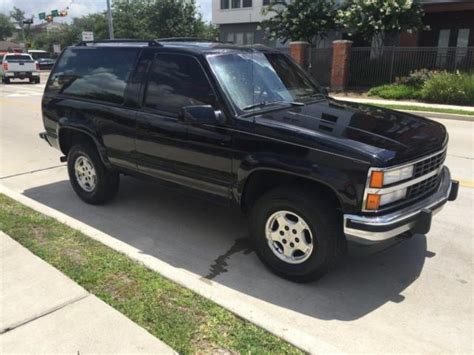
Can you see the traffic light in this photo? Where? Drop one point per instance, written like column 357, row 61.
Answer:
column 42, row 15
column 49, row 18
column 63, row 13
column 54, row 13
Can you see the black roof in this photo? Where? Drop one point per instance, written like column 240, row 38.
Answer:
column 197, row 46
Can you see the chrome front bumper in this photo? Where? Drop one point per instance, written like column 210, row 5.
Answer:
column 415, row 218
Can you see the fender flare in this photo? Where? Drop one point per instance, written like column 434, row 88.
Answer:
column 66, row 124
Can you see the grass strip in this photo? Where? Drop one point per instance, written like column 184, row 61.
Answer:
column 181, row 318
column 425, row 109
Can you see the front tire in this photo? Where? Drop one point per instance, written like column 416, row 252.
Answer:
column 297, row 234
column 89, row 177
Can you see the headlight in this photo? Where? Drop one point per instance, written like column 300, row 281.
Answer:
column 380, row 178
column 375, row 201
column 392, row 197
column 393, row 176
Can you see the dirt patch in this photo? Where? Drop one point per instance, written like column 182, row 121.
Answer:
column 120, row 286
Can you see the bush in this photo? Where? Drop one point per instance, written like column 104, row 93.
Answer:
column 449, row 88
column 395, row 92
column 436, row 87
column 417, row 77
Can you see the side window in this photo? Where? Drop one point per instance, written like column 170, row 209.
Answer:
column 175, row 81
column 93, row 73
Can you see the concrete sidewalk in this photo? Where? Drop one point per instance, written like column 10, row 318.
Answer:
column 43, row 311
column 404, row 103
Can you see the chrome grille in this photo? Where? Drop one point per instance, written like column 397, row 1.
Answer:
column 428, row 165
column 423, row 188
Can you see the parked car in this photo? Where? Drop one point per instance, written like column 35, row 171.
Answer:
column 19, row 66
column 43, row 57
column 46, row 63
column 250, row 127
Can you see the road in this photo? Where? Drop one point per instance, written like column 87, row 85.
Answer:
column 414, row 296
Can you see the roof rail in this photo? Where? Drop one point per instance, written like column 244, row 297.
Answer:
column 186, row 39
column 149, row 42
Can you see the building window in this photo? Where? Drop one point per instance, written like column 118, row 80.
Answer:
column 249, row 38
column 265, row 2
column 239, row 38
column 463, row 38
column 236, row 4
column 246, row 3
column 443, row 44
column 225, row 4
column 230, row 37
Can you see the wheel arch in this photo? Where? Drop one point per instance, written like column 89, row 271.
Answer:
column 68, row 136
column 262, row 180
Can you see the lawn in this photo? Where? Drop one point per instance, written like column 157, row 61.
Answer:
column 184, row 320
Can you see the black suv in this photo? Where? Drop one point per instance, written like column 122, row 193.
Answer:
column 247, row 125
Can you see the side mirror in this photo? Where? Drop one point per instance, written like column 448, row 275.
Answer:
column 205, row 114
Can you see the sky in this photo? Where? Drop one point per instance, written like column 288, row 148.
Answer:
column 77, row 8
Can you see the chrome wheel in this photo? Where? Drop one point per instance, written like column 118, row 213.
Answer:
column 289, row 237
column 86, row 176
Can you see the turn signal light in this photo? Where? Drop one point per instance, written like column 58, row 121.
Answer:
column 37, row 66
column 5, row 65
column 373, row 202
column 376, row 179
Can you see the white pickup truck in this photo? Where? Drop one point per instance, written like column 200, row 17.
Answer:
column 19, row 66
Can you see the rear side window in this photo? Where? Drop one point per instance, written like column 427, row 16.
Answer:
column 176, row 81
column 18, row 58
column 93, row 73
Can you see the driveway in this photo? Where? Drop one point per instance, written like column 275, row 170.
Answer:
column 407, row 296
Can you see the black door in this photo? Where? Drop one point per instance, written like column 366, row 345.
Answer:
column 197, row 156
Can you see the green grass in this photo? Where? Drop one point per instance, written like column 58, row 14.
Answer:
column 426, row 109
column 184, row 320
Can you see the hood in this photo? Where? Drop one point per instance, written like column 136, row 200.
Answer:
column 380, row 136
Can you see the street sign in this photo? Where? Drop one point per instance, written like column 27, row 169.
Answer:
column 54, row 13
column 87, row 36
column 42, row 15
column 56, row 48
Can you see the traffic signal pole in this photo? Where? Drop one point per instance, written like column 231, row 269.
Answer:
column 109, row 18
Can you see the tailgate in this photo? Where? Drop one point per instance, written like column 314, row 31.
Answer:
column 22, row 66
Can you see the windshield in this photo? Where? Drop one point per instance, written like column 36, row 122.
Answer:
column 255, row 80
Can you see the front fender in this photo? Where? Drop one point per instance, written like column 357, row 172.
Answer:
column 341, row 175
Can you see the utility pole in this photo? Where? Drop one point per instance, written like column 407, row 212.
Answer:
column 109, row 18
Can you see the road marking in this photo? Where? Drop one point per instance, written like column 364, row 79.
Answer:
column 23, row 105
column 465, row 183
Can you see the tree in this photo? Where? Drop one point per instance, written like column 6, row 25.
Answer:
column 6, row 27
column 19, row 16
column 301, row 20
column 375, row 19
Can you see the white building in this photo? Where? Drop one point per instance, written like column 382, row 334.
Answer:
column 238, row 21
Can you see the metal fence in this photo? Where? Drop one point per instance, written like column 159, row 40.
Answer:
column 321, row 61
column 377, row 66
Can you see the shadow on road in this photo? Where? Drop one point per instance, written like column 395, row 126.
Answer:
column 207, row 239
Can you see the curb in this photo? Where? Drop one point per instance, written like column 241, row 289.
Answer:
column 440, row 115
column 222, row 295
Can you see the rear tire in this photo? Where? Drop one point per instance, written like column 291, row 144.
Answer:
column 309, row 222
column 89, row 177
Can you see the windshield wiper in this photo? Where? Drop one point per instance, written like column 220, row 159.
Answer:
column 314, row 94
column 269, row 103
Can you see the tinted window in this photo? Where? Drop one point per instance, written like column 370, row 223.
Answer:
column 17, row 58
column 93, row 73
column 175, row 81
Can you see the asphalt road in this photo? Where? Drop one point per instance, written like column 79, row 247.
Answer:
column 413, row 296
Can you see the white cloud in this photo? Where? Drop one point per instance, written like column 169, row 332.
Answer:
column 77, row 8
